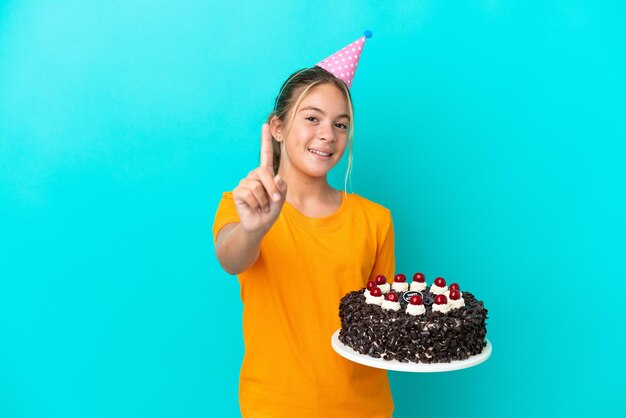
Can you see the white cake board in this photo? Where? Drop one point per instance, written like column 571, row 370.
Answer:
column 398, row 366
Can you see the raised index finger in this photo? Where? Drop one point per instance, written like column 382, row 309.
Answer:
column 267, row 154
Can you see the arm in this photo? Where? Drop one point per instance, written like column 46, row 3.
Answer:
column 237, row 249
column 258, row 200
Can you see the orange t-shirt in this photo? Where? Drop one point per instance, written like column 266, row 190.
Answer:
column 291, row 309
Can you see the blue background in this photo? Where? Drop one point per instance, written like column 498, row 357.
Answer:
column 493, row 130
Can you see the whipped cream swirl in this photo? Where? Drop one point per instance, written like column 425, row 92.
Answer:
column 394, row 306
column 444, row 308
column 455, row 304
column 400, row 286
column 437, row 290
column 418, row 286
column 373, row 300
column 415, row 309
column 384, row 288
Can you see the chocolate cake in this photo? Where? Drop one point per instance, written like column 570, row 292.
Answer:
column 429, row 325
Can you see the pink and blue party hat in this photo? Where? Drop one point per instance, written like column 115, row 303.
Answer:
column 342, row 64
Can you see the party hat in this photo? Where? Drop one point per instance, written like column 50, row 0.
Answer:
column 342, row 64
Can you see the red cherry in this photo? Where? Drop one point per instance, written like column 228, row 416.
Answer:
column 455, row 294
column 454, row 286
column 376, row 291
column 416, row 300
column 371, row 284
column 440, row 281
column 392, row 296
column 381, row 279
column 441, row 299
column 400, row 278
column 419, row 277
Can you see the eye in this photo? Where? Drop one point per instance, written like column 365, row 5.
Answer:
column 311, row 117
column 342, row 125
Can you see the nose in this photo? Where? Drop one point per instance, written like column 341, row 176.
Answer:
column 326, row 133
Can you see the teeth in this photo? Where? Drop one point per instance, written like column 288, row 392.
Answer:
column 319, row 153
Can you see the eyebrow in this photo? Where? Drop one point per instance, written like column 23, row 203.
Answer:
column 343, row 115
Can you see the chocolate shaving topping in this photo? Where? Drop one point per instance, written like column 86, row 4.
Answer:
column 434, row 337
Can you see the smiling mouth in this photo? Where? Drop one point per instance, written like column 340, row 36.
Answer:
column 320, row 153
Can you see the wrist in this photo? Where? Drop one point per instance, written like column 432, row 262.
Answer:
column 252, row 236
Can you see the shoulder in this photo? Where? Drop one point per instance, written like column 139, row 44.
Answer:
column 226, row 213
column 371, row 208
column 227, row 199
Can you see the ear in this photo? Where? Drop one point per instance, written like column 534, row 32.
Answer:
column 276, row 129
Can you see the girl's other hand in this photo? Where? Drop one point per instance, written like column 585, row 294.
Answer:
column 260, row 196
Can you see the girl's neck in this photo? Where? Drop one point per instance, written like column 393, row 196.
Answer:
column 312, row 197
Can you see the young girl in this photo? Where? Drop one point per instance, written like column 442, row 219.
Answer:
column 298, row 246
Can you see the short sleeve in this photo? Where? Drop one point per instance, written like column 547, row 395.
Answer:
column 226, row 214
column 385, row 252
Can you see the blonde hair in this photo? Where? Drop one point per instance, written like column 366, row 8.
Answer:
column 307, row 78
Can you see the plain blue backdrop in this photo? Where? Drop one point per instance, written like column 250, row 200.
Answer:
column 493, row 130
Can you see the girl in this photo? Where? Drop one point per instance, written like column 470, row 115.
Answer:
column 298, row 246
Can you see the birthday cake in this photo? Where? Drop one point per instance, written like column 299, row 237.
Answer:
column 413, row 323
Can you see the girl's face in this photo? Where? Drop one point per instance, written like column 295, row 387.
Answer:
column 318, row 134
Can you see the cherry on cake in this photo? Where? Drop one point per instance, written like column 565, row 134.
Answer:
column 399, row 283
column 419, row 282
column 381, row 282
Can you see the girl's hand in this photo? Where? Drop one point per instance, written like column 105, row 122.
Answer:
column 260, row 196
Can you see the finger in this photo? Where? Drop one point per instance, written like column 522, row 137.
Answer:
column 267, row 154
column 259, row 192
column 244, row 197
column 268, row 182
